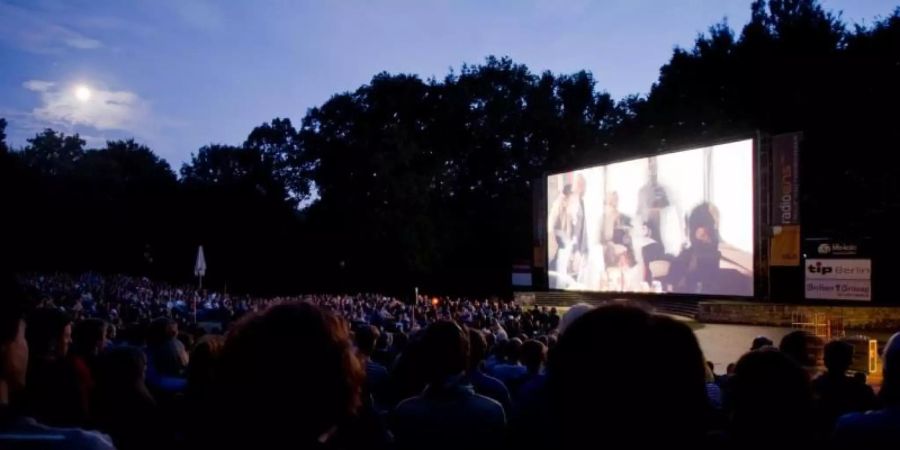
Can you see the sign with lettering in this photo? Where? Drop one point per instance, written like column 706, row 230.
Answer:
column 839, row 279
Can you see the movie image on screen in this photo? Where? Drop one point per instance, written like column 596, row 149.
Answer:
column 674, row 223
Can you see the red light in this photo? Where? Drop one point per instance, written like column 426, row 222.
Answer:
column 435, row 301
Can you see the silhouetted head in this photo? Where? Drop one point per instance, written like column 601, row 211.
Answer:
column 621, row 373
column 121, row 367
column 571, row 315
column 534, row 354
column 399, row 341
column 186, row 339
column 760, row 342
column 384, row 341
column 49, row 333
column 477, row 348
column 798, row 346
column 289, row 375
column 512, row 350
column 769, row 398
column 366, row 337
column 89, row 337
column 445, row 348
column 203, row 362
column 13, row 345
column 111, row 332
column 161, row 330
column 890, row 386
column 838, row 357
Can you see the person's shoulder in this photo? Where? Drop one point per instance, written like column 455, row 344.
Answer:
column 410, row 405
column 487, row 380
column 28, row 431
column 90, row 440
column 861, row 420
column 487, row 406
column 375, row 366
column 485, row 401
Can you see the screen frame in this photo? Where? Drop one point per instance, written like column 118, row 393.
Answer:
column 759, row 248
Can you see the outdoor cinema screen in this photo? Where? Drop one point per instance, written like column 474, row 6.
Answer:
column 673, row 223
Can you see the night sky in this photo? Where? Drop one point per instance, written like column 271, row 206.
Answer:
column 179, row 74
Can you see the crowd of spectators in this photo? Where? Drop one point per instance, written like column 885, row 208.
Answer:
column 118, row 362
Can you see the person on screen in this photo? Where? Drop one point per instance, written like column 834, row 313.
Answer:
column 698, row 269
column 568, row 243
column 579, row 230
column 650, row 250
column 561, row 226
column 653, row 198
column 615, row 229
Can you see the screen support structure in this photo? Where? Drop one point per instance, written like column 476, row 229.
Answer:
column 762, row 171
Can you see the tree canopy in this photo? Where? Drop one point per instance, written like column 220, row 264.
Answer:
column 406, row 181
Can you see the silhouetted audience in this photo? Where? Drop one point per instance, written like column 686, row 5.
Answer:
column 838, row 393
column 508, row 368
column 123, row 406
column 769, row 400
column 166, row 353
column 88, row 340
column 56, row 393
column 290, row 374
column 448, row 414
column 201, row 390
column 619, row 377
column 760, row 342
column 483, row 383
column 290, row 378
column 18, row 431
column 879, row 429
column 376, row 374
column 804, row 348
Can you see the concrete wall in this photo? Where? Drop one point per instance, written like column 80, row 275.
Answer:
column 855, row 317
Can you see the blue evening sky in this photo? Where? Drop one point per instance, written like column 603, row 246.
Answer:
column 179, row 74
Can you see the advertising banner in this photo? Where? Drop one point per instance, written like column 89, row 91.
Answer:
column 839, row 279
column 785, row 246
column 785, row 179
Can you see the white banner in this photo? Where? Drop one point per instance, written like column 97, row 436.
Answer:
column 839, row 279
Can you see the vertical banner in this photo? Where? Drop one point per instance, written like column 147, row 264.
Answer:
column 785, row 179
column 785, row 201
column 785, row 246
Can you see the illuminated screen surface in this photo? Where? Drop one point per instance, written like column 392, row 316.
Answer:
column 675, row 223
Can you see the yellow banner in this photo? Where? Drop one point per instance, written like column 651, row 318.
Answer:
column 785, row 246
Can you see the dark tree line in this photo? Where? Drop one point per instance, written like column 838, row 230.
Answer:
column 429, row 182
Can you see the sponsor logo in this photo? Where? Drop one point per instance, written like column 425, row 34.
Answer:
column 839, row 279
column 837, row 249
column 820, row 268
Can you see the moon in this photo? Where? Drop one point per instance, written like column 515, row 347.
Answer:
column 83, row 93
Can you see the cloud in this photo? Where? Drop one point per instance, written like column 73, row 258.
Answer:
column 81, row 42
column 38, row 85
column 200, row 14
column 104, row 110
column 37, row 32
